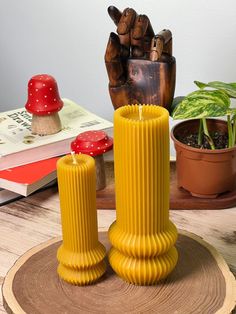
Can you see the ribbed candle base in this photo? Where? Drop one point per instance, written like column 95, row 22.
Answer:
column 81, row 268
column 143, row 271
column 143, row 246
column 82, row 274
column 143, row 260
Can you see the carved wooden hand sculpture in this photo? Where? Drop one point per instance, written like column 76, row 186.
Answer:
column 140, row 65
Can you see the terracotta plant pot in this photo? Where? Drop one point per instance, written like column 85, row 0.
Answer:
column 203, row 172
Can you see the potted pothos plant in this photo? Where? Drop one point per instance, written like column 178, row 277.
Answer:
column 205, row 146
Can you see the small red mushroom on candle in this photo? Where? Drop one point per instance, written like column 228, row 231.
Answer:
column 44, row 102
column 95, row 144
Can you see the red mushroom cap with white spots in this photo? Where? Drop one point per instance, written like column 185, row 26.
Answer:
column 43, row 95
column 92, row 143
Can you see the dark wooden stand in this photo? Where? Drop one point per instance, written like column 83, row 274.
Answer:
column 179, row 198
column 200, row 281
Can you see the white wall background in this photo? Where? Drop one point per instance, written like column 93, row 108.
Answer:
column 67, row 39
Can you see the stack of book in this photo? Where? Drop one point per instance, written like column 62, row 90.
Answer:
column 28, row 161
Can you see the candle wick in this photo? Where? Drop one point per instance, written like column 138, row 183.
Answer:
column 74, row 161
column 140, row 110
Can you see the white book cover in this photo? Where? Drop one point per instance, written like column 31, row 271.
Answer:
column 15, row 132
column 19, row 146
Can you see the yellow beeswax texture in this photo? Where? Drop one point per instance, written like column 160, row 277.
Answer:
column 81, row 254
column 143, row 237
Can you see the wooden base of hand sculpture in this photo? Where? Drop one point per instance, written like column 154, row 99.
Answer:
column 149, row 83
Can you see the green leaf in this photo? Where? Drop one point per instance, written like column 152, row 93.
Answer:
column 176, row 101
column 200, row 84
column 228, row 88
column 216, row 96
column 231, row 111
column 202, row 104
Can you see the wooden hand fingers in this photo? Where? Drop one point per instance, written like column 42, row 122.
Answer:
column 135, row 31
column 166, row 36
column 140, row 40
column 124, row 28
column 114, row 14
column 162, row 42
column 113, row 61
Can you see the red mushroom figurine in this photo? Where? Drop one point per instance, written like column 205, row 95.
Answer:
column 44, row 102
column 95, row 144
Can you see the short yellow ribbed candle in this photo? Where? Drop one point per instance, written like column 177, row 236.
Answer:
column 81, row 255
column 142, row 236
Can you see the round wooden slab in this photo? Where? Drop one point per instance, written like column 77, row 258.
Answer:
column 200, row 283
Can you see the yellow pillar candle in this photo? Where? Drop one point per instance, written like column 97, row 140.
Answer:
column 81, row 255
column 142, row 236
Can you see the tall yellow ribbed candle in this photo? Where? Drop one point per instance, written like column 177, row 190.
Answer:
column 81, row 255
column 142, row 236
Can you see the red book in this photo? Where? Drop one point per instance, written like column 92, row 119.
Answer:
column 28, row 178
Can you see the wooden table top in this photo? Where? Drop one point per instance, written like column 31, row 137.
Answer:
column 35, row 219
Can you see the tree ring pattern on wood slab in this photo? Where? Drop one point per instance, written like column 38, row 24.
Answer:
column 200, row 283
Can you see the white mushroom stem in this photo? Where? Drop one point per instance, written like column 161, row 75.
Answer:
column 46, row 125
column 100, row 172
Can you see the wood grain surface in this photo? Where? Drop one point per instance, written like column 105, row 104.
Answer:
column 36, row 219
column 179, row 198
column 201, row 276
